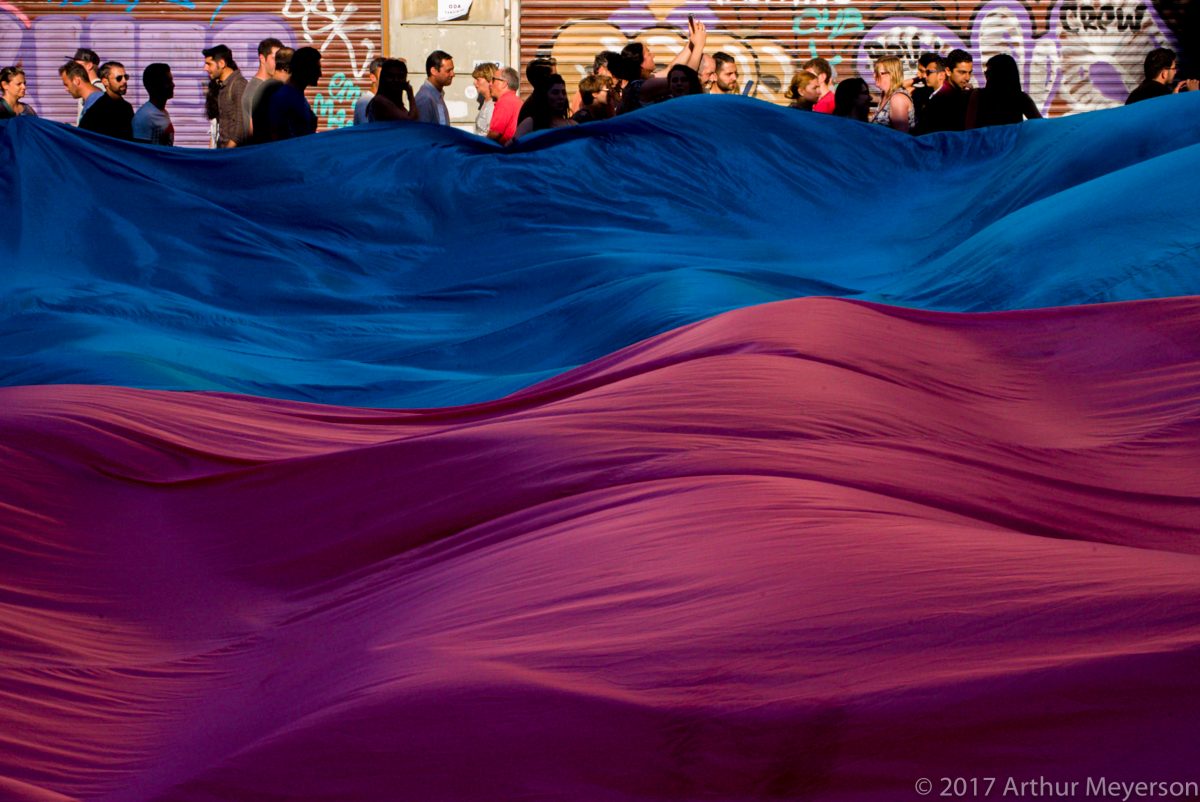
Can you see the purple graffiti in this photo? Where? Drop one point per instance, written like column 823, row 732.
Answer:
column 135, row 43
column 636, row 17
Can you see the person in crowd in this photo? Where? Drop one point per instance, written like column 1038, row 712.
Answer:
column 683, row 80
column 601, row 69
column 360, row 105
column 503, row 127
column 87, row 58
column 803, row 91
column 110, row 113
column 1000, row 101
column 1159, row 69
column 931, row 74
column 394, row 100
column 823, row 72
column 483, row 75
column 595, row 92
column 707, row 72
column 283, row 65
column 726, row 80
column 230, row 86
column 538, row 73
column 152, row 123
column 895, row 104
column 12, row 90
column 75, row 81
column 267, row 50
column 431, row 98
column 852, row 100
column 947, row 107
column 551, row 107
column 283, row 112
column 638, row 77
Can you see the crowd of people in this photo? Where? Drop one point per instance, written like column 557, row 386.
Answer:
column 271, row 105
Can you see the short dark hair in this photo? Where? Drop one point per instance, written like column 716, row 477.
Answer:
column 819, row 64
column 73, row 69
column 85, row 54
column 721, row 58
column 633, row 49
column 928, row 59
column 107, row 67
column 221, row 53
column 605, row 58
column 538, row 71
column 956, row 57
column 155, row 77
column 377, row 64
column 306, row 66
column 434, row 60
column 267, row 45
column 1157, row 60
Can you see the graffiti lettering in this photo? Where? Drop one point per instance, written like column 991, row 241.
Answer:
column 818, row 24
column 1076, row 18
column 321, row 18
column 336, row 107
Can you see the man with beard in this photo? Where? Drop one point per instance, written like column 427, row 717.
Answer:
column 111, row 113
column 725, row 77
column 230, row 86
column 947, row 107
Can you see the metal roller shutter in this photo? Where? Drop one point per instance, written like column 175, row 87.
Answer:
column 1075, row 55
column 43, row 35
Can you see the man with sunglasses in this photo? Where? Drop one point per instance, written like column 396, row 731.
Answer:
column 111, row 113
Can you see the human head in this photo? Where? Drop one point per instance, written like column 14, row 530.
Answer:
column 636, row 51
column 483, row 75
column 439, row 69
column 12, row 83
column 726, row 73
column 803, row 88
column 218, row 62
column 504, row 81
column 595, row 88
column 75, row 79
column 931, row 70
column 889, row 74
column 1002, row 75
column 267, row 49
column 88, row 60
column 159, row 83
column 116, row 80
column 708, row 71
column 683, row 80
column 393, row 80
column 959, row 68
column 283, row 63
column 556, row 96
column 823, row 72
column 1160, row 65
column 305, row 67
column 852, row 99
column 538, row 71
column 602, row 64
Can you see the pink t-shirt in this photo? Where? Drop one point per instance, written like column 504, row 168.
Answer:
column 504, row 117
column 825, row 104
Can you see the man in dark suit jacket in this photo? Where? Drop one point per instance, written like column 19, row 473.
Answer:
column 947, row 107
column 111, row 114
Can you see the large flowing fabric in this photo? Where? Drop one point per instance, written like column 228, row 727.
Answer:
column 408, row 265
column 388, row 464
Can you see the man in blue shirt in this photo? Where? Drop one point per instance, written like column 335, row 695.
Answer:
column 431, row 98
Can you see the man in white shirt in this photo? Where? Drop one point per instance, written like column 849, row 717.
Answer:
column 360, row 105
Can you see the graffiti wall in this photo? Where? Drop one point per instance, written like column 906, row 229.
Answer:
column 1075, row 55
column 41, row 35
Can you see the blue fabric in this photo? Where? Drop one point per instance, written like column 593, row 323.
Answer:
column 414, row 265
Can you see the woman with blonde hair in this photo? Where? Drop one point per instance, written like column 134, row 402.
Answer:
column 483, row 75
column 12, row 89
column 804, row 91
column 895, row 104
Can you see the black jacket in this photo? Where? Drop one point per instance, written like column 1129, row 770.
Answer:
column 111, row 116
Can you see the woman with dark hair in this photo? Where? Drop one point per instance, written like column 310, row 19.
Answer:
column 394, row 99
column 549, row 107
column 683, row 80
column 852, row 99
column 1000, row 101
column 12, row 89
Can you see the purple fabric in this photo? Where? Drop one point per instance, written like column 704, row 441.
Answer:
column 817, row 549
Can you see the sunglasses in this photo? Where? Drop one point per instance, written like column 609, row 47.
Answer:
column 119, row 78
